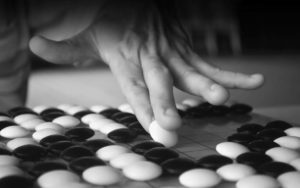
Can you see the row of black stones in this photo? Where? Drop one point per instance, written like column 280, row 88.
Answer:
column 206, row 109
column 258, row 139
column 77, row 156
column 168, row 159
column 124, row 135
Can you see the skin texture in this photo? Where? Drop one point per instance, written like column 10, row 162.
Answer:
column 149, row 53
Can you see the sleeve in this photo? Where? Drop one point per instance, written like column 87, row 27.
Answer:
column 14, row 65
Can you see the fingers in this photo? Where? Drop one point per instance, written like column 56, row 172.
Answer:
column 130, row 78
column 187, row 78
column 160, row 85
column 227, row 78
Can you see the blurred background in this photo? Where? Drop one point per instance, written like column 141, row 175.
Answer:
column 248, row 36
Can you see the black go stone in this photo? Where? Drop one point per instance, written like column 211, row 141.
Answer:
column 30, row 152
column 250, row 128
column 219, row 110
column 75, row 152
column 20, row 110
column 270, row 134
column 51, row 110
column 47, row 141
column 122, row 135
column 16, row 181
column 241, row 138
column 144, row 146
column 127, row 120
column 52, row 115
column 4, row 151
column 275, row 169
column 278, row 124
column 177, row 166
column 138, row 128
column 46, row 166
column 261, row 145
column 57, row 147
column 80, row 114
column 109, row 112
column 96, row 144
column 4, row 114
column 79, row 133
column 118, row 116
column 240, row 109
column 161, row 154
column 82, row 163
column 202, row 110
column 4, row 124
column 181, row 113
column 213, row 161
column 253, row 159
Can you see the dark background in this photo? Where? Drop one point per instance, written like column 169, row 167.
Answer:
column 270, row 25
column 264, row 26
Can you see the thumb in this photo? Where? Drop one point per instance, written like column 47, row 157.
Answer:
column 61, row 52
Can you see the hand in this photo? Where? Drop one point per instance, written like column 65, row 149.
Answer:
column 149, row 52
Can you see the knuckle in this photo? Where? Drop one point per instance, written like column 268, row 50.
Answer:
column 159, row 71
column 135, row 86
column 189, row 74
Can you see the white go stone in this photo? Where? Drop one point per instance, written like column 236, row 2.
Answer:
column 39, row 135
column 102, row 175
column 8, row 160
column 57, row 178
column 282, row 154
column 125, row 159
column 258, row 181
column 99, row 108
column 14, row 131
column 107, row 153
column 89, row 118
column 49, row 125
column 163, row 136
column 142, row 171
column 107, row 128
column 5, row 118
column 191, row 102
column 235, row 171
column 290, row 179
column 98, row 124
column 296, row 163
column 126, row 108
column 231, row 149
column 293, row 131
column 65, row 107
column 73, row 185
column 9, row 170
column 291, row 142
column 38, row 109
column 73, row 110
column 17, row 142
column 199, row 178
column 31, row 124
column 67, row 121
column 25, row 117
